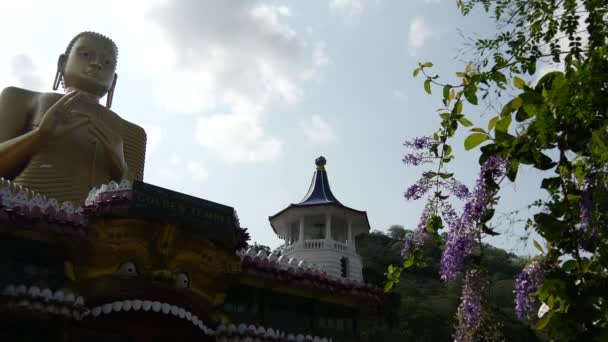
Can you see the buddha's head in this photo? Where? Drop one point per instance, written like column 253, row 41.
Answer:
column 88, row 64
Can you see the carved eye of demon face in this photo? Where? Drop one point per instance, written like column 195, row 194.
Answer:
column 127, row 269
column 181, row 281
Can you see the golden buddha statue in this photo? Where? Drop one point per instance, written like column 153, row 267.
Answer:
column 63, row 145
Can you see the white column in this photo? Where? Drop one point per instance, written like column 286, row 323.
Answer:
column 349, row 236
column 301, row 231
column 328, row 227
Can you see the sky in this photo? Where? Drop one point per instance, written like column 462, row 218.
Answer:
column 239, row 97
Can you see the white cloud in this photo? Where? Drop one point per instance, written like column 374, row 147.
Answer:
column 398, row 94
column 418, row 34
column 239, row 54
column 319, row 60
column 238, row 136
column 350, row 8
column 21, row 70
column 318, row 131
column 197, row 171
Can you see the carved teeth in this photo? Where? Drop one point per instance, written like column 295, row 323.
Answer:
column 146, row 305
column 126, row 305
column 69, row 298
column 20, row 290
column 58, row 296
column 47, row 294
column 9, row 290
column 117, row 306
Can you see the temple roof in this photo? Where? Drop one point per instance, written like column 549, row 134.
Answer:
column 319, row 191
column 319, row 194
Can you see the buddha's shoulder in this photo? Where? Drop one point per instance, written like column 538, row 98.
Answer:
column 17, row 93
column 130, row 128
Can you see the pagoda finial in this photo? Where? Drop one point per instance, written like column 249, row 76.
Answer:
column 320, row 162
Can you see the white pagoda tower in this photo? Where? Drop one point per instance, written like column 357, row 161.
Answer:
column 321, row 230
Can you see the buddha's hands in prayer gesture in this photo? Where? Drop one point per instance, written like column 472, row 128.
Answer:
column 57, row 121
column 63, row 117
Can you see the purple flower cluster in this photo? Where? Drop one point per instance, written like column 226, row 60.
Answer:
column 414, row 159
column 526, row 284
column 420, row 151
column 420, row 235
column 418, row 189
column 469, row 314
column 419, row 143
column 463, row 232
column 587, row 232
column 457, row 189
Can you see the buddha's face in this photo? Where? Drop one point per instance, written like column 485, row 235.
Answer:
column 90, row 66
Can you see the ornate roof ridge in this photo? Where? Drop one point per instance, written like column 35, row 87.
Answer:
column 260, row 262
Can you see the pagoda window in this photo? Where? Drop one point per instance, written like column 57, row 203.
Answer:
column 344, row 267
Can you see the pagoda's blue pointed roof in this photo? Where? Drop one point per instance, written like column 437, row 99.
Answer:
column 319, row 191
column 319, row 195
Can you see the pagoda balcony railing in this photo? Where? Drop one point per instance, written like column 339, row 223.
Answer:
column 319, row 244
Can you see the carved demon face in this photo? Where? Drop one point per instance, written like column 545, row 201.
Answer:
column 133, row 267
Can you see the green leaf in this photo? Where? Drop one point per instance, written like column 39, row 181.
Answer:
column 446, row 175
column 434, row 224
column 487, row 216
column 492, row 123
column 465, row 122
column 503, row 124
column 447, row 150
column 569, row 265
column 470, row 93
column 518, row 83
column 542, row 161
column 427, row 86
column 477, row 129
column 426, row 65
column 446, row 91
column 540, row 325
column 457, row 108
column 429, row 174
column 389, row 286
column 474, row 139
column 550, row 227
column 512, row 170
column 538, row 246
column 488, row 230
column 416, row 71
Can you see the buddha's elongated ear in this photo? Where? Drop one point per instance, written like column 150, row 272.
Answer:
column 59, row 72
column 111, row 92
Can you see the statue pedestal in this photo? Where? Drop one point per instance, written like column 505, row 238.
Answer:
column 135, row 253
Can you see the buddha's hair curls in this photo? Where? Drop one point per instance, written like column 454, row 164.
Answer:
column 91, row 34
